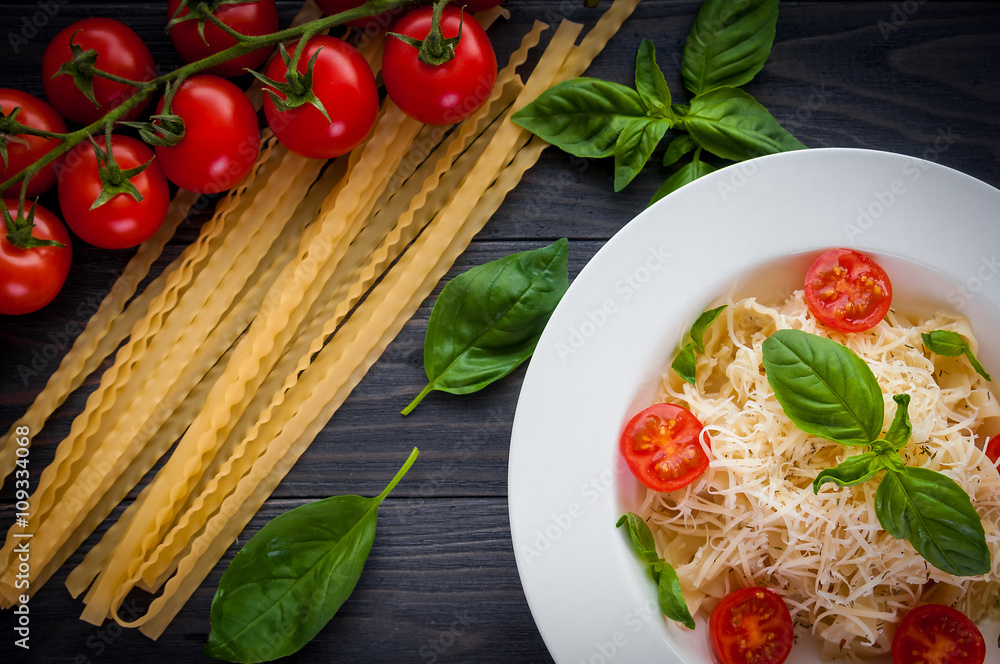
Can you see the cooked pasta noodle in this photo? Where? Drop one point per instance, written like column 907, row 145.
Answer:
column 753, row 518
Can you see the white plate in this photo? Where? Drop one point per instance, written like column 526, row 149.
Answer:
column 935, row 230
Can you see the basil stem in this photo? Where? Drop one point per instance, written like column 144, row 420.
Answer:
column 668, row 586
column 487, row 321
column 290, row 579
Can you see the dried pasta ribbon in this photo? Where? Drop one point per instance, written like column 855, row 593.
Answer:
column 104, row 331
column 378, row 319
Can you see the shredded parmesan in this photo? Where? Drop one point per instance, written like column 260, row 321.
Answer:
column 753, row 518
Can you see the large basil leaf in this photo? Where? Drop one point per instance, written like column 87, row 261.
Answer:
column 582, row 116
column 934, row 514
column 851, row 471
column 290, row 579
column 823, row 387
column 731, row 124
column 650, row 83
column 668, row 586
column 729, row 43
column 638, row 139
column 686, row 174
column 487, row 321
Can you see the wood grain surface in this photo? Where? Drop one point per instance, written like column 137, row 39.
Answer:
column 441, row 585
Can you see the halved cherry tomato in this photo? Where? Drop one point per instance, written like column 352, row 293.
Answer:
column 993, row 449
column 937, row 634
column 26, row 150
column 847, row 291
column 751, row 625
column 661, row 447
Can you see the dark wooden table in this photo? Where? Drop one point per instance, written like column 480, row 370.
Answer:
column 441, row 584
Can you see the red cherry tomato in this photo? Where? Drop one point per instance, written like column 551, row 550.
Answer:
column 662, row 449
column 119, row 51
column 446, row 93
column 751, row 625
column 936, row 634
column 993, row 449
column 221, row 137
column 373, row 24
column 249, row 18
column 344, row 83
column 847, row 291
column 39, row 115
column 31, row 278
column 121, row 222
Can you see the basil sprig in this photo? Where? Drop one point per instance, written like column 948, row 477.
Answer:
column 726, row 47
column 684, row 363
column 290, row 579
column 826, row 390
column 668, row 587
column 952, row 344
column 487, row 321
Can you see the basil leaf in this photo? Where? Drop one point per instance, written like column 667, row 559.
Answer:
column 701, row 325
column 678, row 147
column 728, row 43
column 669, row 595
column 640, row 535
column 487, row 321
column 638, row 139
column 684, row 364
column 851, row 471
column 582, row 116
column 934, row 514
column 650, row 83
column 945, row 342
column 685, row 175
column 953, row 344
column 900, row 430
column 824, row 388
column 290, row 579
column 668, row 587
column 731, row 124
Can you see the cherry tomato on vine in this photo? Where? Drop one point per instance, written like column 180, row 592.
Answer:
column 993, row 449
column 374, row 24
column 446, row 93
column 751, row 625
column 221, row 137
column 344, row 83
column 248, row 18
column 119, row 51
column 847, row 291
column 936, row 634
column 662, row 449
column 31, row 278
column 37, row 114
column 122, row 221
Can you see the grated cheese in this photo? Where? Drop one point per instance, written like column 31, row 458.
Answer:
column 753, row 519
